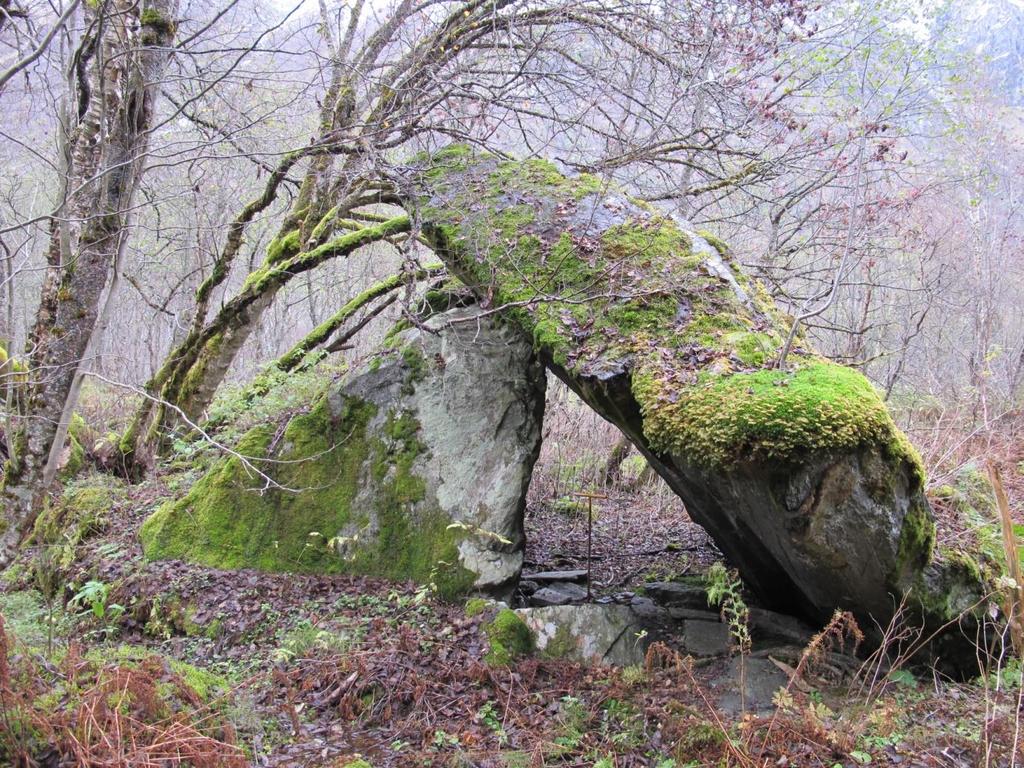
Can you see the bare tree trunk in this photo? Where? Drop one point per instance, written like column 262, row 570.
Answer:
column 118, row 65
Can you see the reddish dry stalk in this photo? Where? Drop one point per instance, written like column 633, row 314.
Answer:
column 1013, row 605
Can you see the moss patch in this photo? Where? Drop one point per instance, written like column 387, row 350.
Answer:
column 312, row 516
column 83, row 511
column 508, row 638
column 771, row 414
column 476, row 605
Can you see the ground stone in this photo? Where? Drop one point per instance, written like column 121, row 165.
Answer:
column 706, row 638
column 769, row 625
column 763, row 680
column 589, row 634
column 677, row 594
column 558, row 593
column 681, row 614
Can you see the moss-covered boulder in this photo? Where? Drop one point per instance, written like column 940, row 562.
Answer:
column 415, row 467
column 800, row 475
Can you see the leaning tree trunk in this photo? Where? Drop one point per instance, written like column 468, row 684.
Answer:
column 119, row 66
column 184, row 385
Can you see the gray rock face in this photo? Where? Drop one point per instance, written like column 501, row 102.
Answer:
column 588, row 634
column 415, row 467
column 812, row 537
column 801, row 477
column 479, row 402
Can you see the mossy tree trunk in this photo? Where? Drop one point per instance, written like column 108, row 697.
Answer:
column 188, row 380
column 119, row 66
column 301, row 355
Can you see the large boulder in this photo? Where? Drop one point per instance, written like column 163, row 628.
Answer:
column 799, row 475
column 415, row 467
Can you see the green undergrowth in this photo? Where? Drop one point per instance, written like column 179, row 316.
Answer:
column 603, row 283
column 972, row 562
column 27, row 616
column 64, row 698
column 971, row 499
column 83, row 510
column 962, row 580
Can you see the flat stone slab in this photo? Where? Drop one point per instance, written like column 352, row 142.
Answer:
column 706, row 638
column 681, row 614
column 546, row 577
column 763, row 679
column 677, row 594
column 559, row 593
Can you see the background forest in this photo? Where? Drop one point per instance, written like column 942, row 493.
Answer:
column 859, row 158
column 201, row 223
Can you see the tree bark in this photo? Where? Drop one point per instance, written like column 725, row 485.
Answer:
column 119, row 66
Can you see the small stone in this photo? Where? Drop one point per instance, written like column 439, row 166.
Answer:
column 644, row 608
column 528, row 587
column 681, row 614
column 767, row 624
column 706, row 638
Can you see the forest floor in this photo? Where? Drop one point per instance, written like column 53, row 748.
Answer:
column 168, row 663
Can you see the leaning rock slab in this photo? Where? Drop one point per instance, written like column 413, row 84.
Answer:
column 800, row 476
column 416, row 467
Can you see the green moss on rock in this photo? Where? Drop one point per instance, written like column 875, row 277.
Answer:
column 603, row 282
column 562, row 646
column 770, row 414
column 475, row 606
column 312, row 517
column 508, row 638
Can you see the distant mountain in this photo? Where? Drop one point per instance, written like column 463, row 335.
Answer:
column 992, row 31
